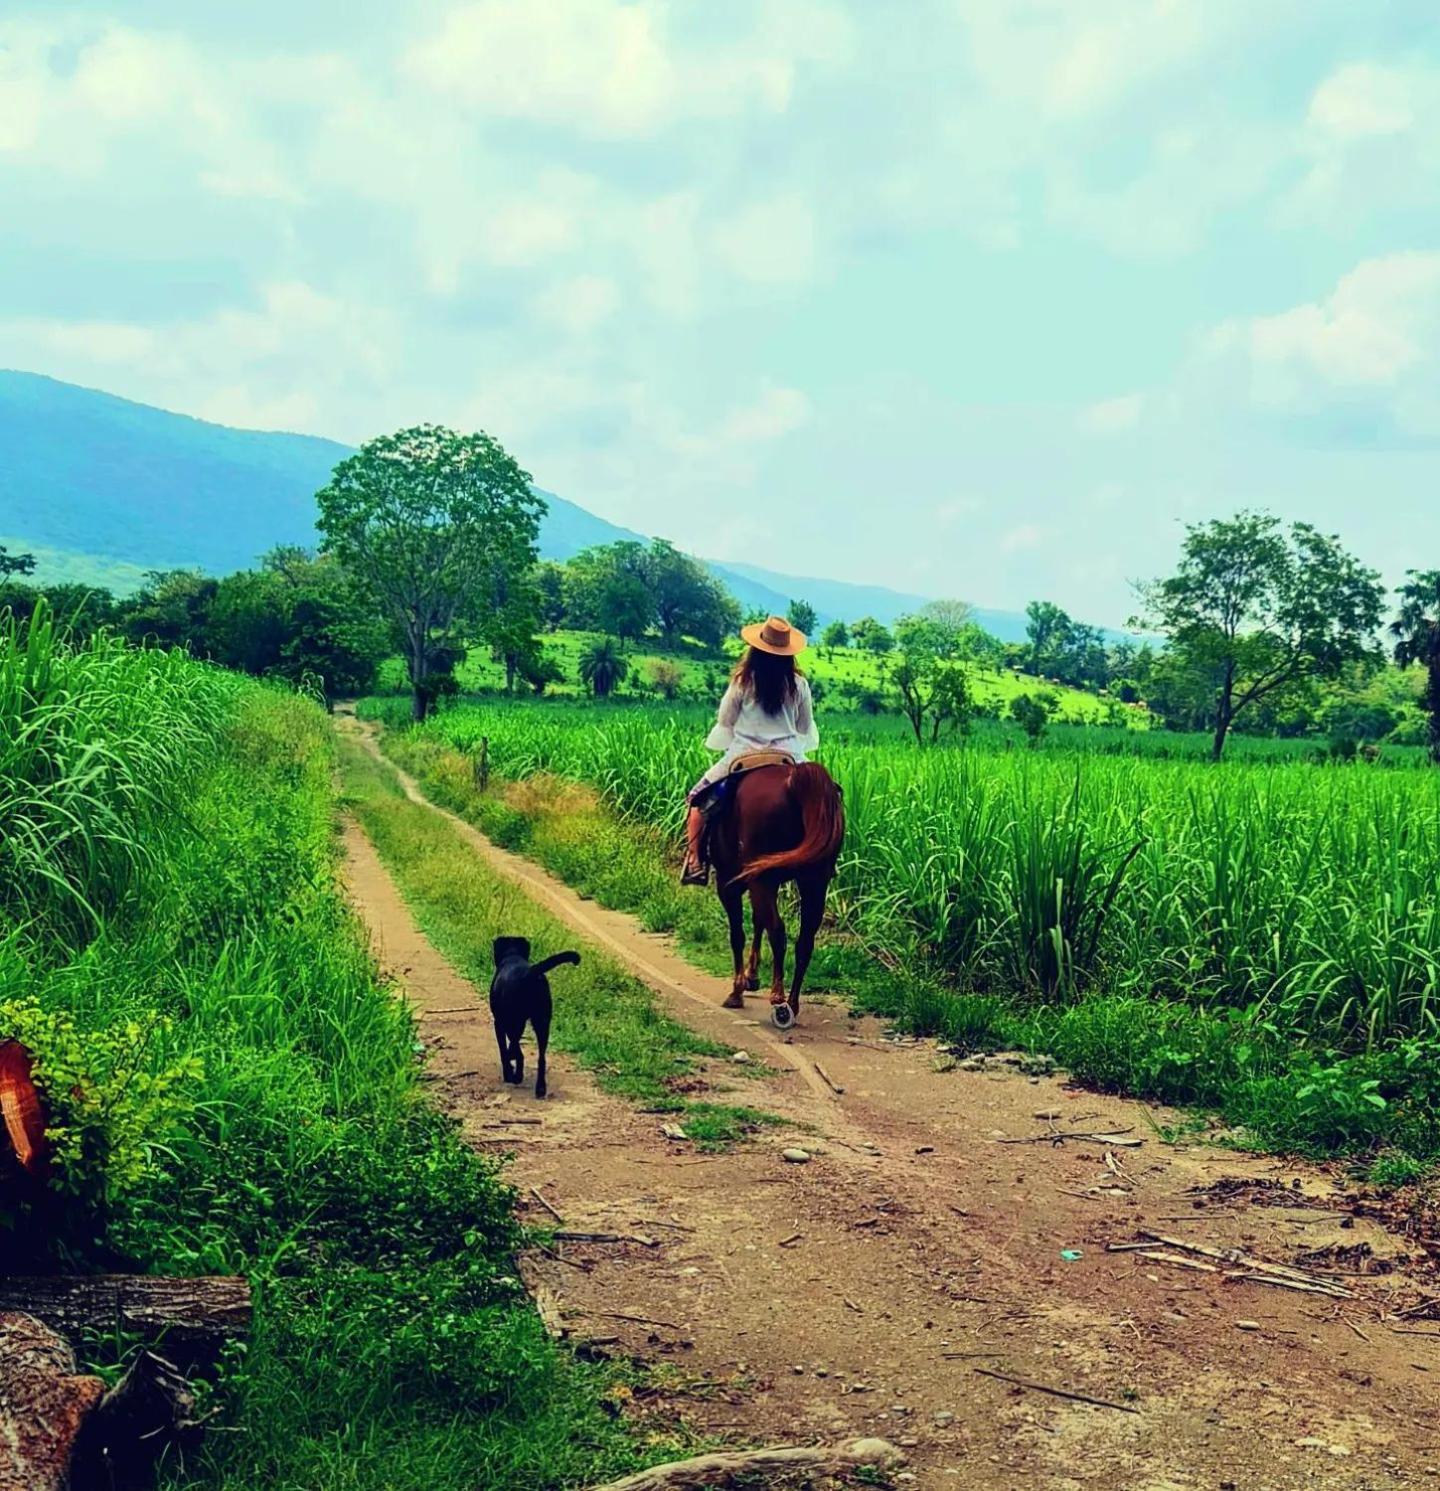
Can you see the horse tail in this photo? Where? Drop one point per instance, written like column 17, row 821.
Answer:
column 822, row 816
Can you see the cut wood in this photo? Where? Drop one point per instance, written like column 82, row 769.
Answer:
column 185, row 1313
column 1176, row 1261
column 535, row 1192
column 44, row 1403
column 547, row 1305
column 708, row 1471
column 829, row 1081
column 61, row 1430
column 1055, row 1392
column 606, row 1237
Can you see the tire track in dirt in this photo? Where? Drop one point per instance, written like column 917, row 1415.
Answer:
column 857, row 1294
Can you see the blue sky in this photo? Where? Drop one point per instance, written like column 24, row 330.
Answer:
column 972, row 297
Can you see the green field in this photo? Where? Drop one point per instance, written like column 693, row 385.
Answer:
column 833, row 671
column 1275, row 919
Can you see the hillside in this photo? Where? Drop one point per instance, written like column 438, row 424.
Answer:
column 101, row 489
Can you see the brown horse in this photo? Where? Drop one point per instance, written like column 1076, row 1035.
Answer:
column 782, row 823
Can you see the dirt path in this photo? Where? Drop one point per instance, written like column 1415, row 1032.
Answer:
column 861, row 1292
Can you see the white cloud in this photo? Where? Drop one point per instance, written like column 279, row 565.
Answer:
column 770, row 242
column 610, row 68
column 1113, row 416
column 277, row 360
column 1371, row 138
column 955, row 510
column 1371, row 347
column 579, row 304
column 1022, row 537
column 778, row 412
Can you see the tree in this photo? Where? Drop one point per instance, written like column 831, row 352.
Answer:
column 951, row 622
column 540, row 670
column 870, row 636
column 172, row 609
column 1416, row 631
column 430, row 520
column 299, row 618
column 689, row 600
column 548, row 579
column 1049, row 631
column 1260, row 608
column 933, row 688
column 837, row 634
column 1032, row 714
column 15, row 564
column 603, row 667
column 666, row 676
column 802, row 617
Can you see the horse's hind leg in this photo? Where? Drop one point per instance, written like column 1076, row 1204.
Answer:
column 765, row 907
column 812, row 913
column 732, row 897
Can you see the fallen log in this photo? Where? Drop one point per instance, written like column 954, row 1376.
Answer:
column 193, row 1315
column 709, row 1471
column 61, row 1431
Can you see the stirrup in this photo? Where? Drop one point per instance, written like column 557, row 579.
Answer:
column 693, row 874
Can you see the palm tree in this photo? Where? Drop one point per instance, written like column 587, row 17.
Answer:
column 603, row 666
column 1416, row 631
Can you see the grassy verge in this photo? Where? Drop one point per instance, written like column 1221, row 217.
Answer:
column 606, row 1019
column 237, row 1092
column 1275, row 1093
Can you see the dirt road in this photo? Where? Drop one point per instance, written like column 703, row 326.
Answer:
column 870, row 1289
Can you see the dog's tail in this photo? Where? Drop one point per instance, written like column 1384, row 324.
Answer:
column 554, row 962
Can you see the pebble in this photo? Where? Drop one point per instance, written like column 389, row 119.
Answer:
column 908, row 1443
column 1247, row 1325
column 796, row 1156
column 942, row 1419
column 741, row 1057
column 1339, row 1451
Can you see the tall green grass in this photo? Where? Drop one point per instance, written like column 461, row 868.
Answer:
column 190, row 920
column 1304, row 896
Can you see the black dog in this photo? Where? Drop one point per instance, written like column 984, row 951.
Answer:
column 520, row 992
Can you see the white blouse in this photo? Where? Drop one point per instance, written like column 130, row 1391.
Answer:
column 742, row 726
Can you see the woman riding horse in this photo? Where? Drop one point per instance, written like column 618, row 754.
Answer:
column 783, row 820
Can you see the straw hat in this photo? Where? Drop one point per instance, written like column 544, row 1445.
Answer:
column 775, row 635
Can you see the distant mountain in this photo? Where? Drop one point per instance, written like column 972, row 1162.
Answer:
column 101, row 489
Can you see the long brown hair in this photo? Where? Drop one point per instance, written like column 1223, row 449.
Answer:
column 769, row 679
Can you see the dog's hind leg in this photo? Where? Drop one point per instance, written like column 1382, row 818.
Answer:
column 504, row 1045
column 517, row 1056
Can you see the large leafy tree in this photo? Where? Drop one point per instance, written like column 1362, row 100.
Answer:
column 1259, row 608
column 1416, row 631
column 801, row 615
column 300, row 618
column 630, row 588
column 431, row 521
column 870, row 635
column 931, row 683
column 1048, row 630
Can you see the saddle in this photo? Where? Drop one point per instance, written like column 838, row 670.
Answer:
column 756, row 759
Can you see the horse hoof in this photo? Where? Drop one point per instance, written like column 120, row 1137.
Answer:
column 782, row 1017
column 735, row 1002
column 752, row 983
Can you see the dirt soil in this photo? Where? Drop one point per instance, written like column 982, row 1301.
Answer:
column 868, row 1289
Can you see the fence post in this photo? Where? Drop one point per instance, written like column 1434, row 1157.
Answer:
column 482, row 765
